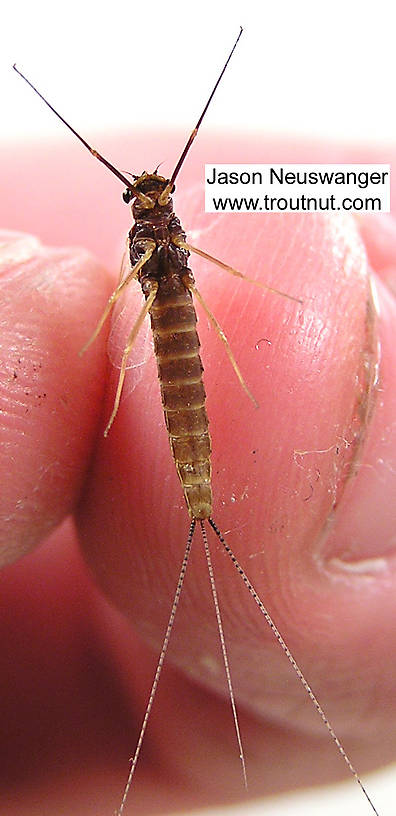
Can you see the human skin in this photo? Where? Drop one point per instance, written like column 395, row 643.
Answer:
column 303, row 490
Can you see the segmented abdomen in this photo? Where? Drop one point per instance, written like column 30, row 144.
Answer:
column 176, row 346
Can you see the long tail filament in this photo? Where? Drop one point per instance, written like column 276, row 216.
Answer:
column 291, row 659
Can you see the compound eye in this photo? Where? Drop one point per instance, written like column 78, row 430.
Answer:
column 127, row 195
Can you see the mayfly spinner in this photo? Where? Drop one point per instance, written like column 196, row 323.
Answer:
column 159, row 252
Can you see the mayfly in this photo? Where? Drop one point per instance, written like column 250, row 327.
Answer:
column 158, row 255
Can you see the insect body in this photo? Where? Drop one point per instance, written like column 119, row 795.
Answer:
column 166, row 283
column 158, row 254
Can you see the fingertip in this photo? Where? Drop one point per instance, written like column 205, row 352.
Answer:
column 50, row 399
column 278, row 473
column 286, row 352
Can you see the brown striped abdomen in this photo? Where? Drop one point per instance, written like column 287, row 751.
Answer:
column 176, row 346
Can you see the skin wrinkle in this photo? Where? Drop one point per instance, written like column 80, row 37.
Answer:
column 366, row 566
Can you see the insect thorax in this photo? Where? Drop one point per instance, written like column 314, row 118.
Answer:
column 159, row 224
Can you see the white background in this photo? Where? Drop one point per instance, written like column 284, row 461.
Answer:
column 319, row 69
column 324, row 69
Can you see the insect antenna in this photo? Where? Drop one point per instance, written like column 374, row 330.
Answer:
column 91, row 149
column 169, row 187
column 292, row 661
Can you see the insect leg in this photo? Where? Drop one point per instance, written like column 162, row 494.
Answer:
column 131, row 339
column 189, row 284
column 184, row 245
column 124, row 265
column 118, row 291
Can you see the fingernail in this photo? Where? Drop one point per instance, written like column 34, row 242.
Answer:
column 360, row 536
column 16, row 247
